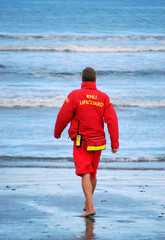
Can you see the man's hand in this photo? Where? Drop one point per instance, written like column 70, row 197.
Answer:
column 114, row 150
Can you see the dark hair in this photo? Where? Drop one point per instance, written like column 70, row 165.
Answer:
column 89, row 74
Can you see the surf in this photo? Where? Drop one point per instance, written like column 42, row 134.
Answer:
column 85, row 49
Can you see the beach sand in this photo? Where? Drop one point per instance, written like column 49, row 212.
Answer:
column 45, row 203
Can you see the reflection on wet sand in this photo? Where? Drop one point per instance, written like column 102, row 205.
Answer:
column 88, row 232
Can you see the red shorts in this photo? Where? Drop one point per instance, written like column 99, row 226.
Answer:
column 85, row 161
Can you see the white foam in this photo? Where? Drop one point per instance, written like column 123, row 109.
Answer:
column 57, row 101
column 134, row 159
column 32, row 101
column 139, row 103
column 75, row 48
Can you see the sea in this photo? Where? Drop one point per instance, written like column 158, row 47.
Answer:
column 45, row 45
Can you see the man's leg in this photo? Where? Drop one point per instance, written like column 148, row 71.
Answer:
column 93, row 182
column 95, row 158
column 88, row 190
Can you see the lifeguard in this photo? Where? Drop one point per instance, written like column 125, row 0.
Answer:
column 87, row 109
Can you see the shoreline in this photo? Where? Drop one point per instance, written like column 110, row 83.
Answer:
column 69, row 164
column 45, row 203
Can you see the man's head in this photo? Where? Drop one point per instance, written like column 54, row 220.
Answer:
column 89, row 75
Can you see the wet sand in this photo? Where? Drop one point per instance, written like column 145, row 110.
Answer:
column 45, row 203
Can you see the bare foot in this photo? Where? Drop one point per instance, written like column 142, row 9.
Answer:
column 85, row 207
column 89, row 212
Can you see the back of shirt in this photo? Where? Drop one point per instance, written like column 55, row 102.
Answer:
column 89, row 108
column 89, row 111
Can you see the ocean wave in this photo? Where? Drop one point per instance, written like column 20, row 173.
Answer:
column 144, row 72
column 57, row 101
column 70, row 37
column 46, row 73
column 142, row 104
column 32, row 101
column 85, row 49
column 2, row 66
column 70, row 159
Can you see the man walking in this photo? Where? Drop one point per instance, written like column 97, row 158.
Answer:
column 87, row 109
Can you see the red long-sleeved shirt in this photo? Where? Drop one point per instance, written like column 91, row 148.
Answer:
column 91, row 108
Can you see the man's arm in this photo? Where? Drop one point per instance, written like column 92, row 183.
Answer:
column 64, row 116
column 110, row 117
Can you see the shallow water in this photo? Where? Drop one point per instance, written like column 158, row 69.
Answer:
column 44, row 47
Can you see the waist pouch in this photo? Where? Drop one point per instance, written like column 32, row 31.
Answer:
column 95, row 143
